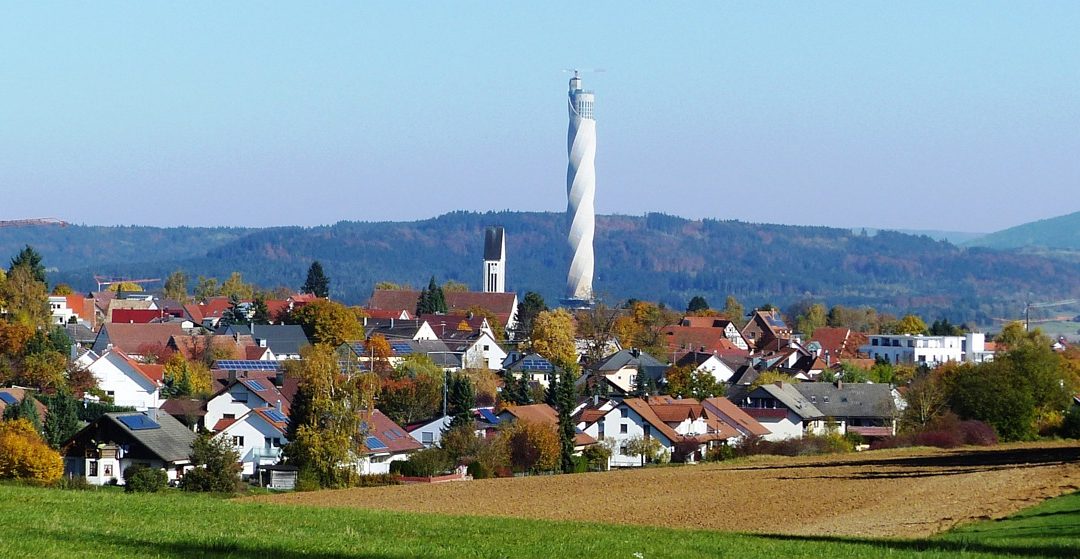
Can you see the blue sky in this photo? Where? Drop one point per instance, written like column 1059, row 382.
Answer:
column 936, row 115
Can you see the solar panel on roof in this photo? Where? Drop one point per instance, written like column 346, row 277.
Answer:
column 373, row 443
column 277, row 416
column 255, row 385
column 138, row 422
column 9, row 399
column 488, row 416
column 246, row 365
column 401, row 348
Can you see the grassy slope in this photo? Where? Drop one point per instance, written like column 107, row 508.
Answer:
column 52, row 523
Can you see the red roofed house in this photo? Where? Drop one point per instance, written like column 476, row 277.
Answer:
column 135, row 339
column 384, row 442
column 545, row 415
column 127, row 381
column 838, row 344
column 502, row 305
column 731, row 332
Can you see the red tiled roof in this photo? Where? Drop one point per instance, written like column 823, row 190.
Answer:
column 394, row 299
column 389, row 313
column 223, row 423
column 136, row 316
column 153, row 373
column 694, row 338
column 535, row 413
column 81, row 306
column 499, row 304
column 390, row 434
column 643, row 409
column 19, row 394
column 704, row 322
column 841, row 343
column 130, row 337
column 734, row 413
column 192, row 347
column 277, row 309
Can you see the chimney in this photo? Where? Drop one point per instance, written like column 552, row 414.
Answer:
column 232, row 376
column 828, row 358
column 596, row 399
column 279, row 378
column 279, row 405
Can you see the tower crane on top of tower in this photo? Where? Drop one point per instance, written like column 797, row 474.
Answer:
column 30, row 222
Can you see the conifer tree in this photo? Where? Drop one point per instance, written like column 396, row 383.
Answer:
column 317, row 283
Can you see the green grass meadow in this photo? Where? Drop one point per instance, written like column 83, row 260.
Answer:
column 36, row 522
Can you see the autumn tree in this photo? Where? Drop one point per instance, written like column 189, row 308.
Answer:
column 451, row 286
column 413, row 391
column 379, row 352
column 62, row 289
column 234, row 286
column 642, row 326
column 926, row 399
column 734, row 311
column 325, row 416
column 485, row 385
column 205, row 288
column 26, row 298
column 24, row 455
column 909, row 324
column 176, row 286
column 328, row 322
column 125, row 287
column 534, row 447
column 813, row 317
column 688, row 382
column 771, row 377
column 554, row 337
column 185, row 379
column 596, row 325
column 316, row 283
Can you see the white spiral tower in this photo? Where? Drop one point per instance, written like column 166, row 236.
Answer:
column 581, row 191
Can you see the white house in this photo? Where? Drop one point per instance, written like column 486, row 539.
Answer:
column 480, row 352
column 384, row 442
column 928, row 350
column 102, row 451
column 127, row 381
column 668, row 422
column 430, row 432
column 258, row 437
column 708, row 362
column 783, row 411
column 239, row 397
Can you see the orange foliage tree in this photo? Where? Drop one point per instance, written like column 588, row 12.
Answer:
column 533, row 447
column 25, row 456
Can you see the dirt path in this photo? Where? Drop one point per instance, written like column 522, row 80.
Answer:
column 888, row 493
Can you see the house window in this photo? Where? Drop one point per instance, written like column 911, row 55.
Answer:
column 427, row 437
column 623, row 429
column 238, row 441
column 92, row 469
column 240, row 397
column 633, row 380
column 228, row 416
column 110, row 393
column 487, row 348
column 624, row 413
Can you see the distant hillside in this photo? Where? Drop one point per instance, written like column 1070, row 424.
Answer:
column 655, row 257
column 1055, row 233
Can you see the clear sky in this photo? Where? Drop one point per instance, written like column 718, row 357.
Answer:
column 936, row 115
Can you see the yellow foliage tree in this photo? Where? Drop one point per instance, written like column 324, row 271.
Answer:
column 379, row 351
column 25, row 456
column 235, row 285
column 770, row 377
column 125, row 286
column 328, row 322
column 186, row 378
column 533, row 447
column 553, row 336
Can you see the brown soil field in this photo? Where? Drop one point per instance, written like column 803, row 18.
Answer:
column 898, row 493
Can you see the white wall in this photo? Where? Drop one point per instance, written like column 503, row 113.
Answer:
column 126, row 386
column 254, row 452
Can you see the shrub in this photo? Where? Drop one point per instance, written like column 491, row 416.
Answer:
column 142, row 479
column 977, row 433
column 939, row 438
column 25, row 456
column 217, row 467
column 76, row 483
column 1070, row 426
column 425, row 463
column 597, row 456
column 307, row 480
column 720, row 453
column 479, row 471
column 581, row 465
column 378, row 480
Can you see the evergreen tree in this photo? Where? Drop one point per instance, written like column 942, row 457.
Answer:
column 530, row 306
column 32, row 260
column 317, row 283
column 423, row 304
column 24, row 410
column 697, row 304
column 235, row 314
column 437, row 298
column 644, row 386
column 461, row 398
column 565, row 406
column 260, row 312
column 62, row 421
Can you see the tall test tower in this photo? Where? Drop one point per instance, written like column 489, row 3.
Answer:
column 580, row 192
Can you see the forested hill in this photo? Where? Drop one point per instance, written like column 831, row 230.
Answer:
column 1062, row 232
column 656, row 257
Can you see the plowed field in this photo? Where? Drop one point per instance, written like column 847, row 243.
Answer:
column 904, row 493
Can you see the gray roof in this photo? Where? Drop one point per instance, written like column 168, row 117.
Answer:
column 790, row 397
column 282, row 338
column 171, row 442
column 849, row 399
column 493, row 243
column 634, row 359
